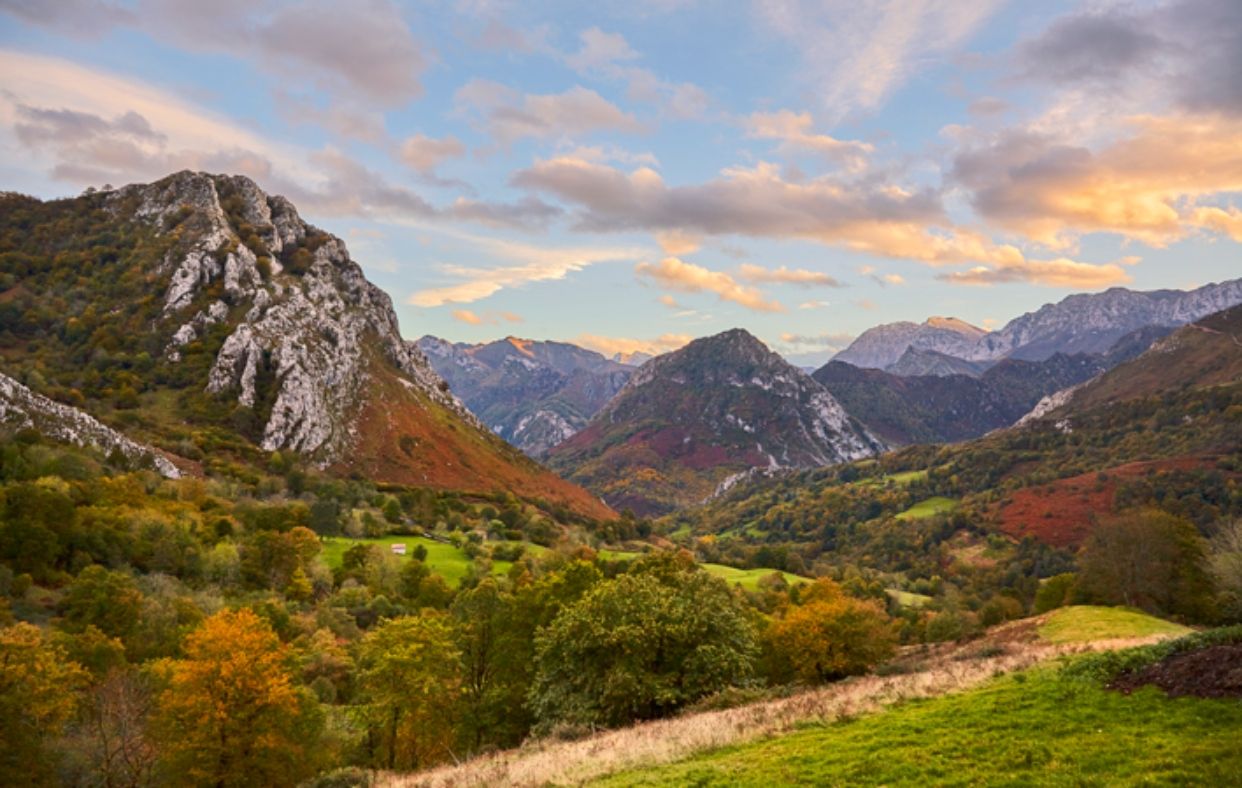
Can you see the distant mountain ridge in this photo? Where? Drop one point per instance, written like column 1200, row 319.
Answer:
column 534, row 394
column 1081, row 323
column 690, row 420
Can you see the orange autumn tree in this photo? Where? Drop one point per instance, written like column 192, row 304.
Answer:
column 829, row 636
column 231, row 715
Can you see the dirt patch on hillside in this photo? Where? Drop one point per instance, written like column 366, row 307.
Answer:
column 1062, row 513
column 1213, row 672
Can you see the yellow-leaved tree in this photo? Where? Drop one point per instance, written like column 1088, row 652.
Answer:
column 231, row 714
column 38, row 695
column 829, row 636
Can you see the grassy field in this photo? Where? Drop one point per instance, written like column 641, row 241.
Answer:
column 899, row 479
column 747, row 578
column 448, row 561
column 1033, row 728
column 908, row 598
column 1086, row 623
column 928, row 508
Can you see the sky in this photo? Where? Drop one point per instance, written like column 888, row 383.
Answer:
column 631, row 175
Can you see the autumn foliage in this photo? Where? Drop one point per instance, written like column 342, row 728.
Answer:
column 231, row 714
column 829, row 636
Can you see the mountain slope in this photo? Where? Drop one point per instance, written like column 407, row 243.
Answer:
column 955, row 407
column 200, row 299
column 1202, row 354
column 884, row 345
column 532, row 394
column 689, row 420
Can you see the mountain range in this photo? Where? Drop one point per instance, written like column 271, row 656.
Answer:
column 694, row 420
column 1081, row 323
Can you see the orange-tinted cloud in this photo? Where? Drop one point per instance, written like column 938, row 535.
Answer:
column 677, row 274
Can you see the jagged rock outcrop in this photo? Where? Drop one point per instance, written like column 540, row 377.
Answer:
column 21, row 408
column 308, row 334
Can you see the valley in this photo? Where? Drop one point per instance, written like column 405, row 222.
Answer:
column 729, row 570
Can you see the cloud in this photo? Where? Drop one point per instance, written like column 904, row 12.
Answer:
column 305, row 44
column 600, row 49
column 789, row 276
column 677, row 243
column 669, row 302
column 677, row 274
column 855, row 55
column 1187, row 53
column 424, row 154
column 793, row 130
column 894, row 279
column 814, row 304
column 87, row 127
column 1053, row 273
column 817, row 341
column 875, row 218
column 534, row 264
column 610, row 346
column 609, row 55
column 509, row 116
column 1145, row 182
column 489, row 318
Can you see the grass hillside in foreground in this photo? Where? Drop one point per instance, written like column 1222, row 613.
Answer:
column 1086, row 623
column 1030, row 728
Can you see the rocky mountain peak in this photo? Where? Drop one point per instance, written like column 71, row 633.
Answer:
column 720, row 406
column 883, row 346
column 301, row 316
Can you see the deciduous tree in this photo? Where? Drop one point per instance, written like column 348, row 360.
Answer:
column 231, row 715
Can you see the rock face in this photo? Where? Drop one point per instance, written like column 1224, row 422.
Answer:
column 883, row 346
column 689, row 420
column 20, row 409
column 1092, row 323
column 533, row 394
column 302, row 312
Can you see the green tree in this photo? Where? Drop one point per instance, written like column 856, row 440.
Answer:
column 108, row 600
column 1148, row 559
column 639, row 647
column 410, row 680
